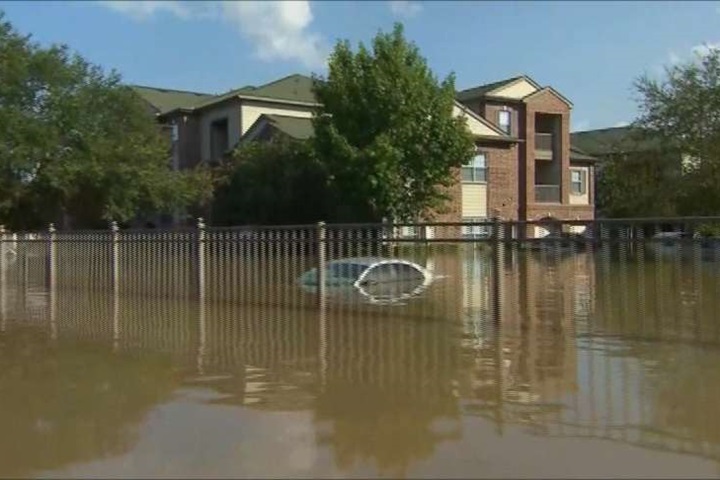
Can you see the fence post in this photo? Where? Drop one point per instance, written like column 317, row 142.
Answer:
column 202, row 328
column 322, row 298
column 497, row 261
column 322, row 260
column 3, row 249
column 201, row 259
column 52, row 265
column 115, row 266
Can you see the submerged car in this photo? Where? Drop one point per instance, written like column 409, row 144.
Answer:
column 377, row 280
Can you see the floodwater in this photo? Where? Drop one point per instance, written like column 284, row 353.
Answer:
column 588, row 367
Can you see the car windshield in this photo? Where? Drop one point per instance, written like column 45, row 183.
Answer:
column 346, row 270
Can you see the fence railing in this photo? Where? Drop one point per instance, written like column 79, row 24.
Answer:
column 544, row 142
column 547, row 193
column 262, row 264
column 511, row 286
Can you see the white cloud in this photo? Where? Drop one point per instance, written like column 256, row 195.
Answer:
column 279, row 30
column 405, row 8
column 146, row 9
column 621, row 124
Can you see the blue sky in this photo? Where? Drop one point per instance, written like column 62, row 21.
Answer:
column 589, row 51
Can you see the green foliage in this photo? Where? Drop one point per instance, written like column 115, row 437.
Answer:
column 385, row 130
column 271, row 183
column 74, row 140
column 638, row 184
column 681, row 111
column 709, row 230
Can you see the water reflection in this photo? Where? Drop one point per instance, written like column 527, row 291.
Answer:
column 614, row 355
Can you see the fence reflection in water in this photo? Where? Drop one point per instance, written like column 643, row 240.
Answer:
column 569, row 336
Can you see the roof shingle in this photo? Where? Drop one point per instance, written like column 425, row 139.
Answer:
column 617, row 139
column 164, row 99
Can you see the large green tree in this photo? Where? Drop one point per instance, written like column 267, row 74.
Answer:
column 385, row 131
column 74, row 140
column 270, row 183
column 638, row 179
column 681, row 110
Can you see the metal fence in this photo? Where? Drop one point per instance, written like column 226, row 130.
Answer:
column 515, row 311
column 262, row 265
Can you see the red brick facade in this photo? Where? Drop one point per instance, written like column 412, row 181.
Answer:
column 511, row 168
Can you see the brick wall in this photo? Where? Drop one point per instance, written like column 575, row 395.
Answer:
column 503, row 181
column 546, row 102
column 489, row 110
column 452, row 211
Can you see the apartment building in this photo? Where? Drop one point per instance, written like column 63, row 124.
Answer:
column 524, row 169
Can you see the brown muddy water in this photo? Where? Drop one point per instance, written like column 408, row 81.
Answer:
column 591, row 367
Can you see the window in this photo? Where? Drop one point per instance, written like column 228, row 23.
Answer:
column 175, row 132
column 476, row 231
column 346, row 270
column 476, row 169
column 219, row 138
column 504, row 121
column 577, row 182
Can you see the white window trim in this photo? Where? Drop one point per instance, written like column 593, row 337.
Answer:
column 509, row 118
column 470, row 166
column 583, row 181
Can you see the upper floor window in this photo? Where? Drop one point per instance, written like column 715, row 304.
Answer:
column 578, row 182
column 476, row 169
column 505, row 121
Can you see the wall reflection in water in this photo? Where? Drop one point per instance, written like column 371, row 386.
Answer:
column 582, row 346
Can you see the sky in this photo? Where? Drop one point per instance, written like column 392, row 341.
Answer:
column 591, row 52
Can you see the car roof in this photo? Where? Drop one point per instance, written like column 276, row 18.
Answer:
column 367, row 261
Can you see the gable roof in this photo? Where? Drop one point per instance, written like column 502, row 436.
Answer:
column 481, row 90
column 165, row 99
column 294, row 88
column 494, row 132
column 616, row 139
column 296, row 127
column 488, row 88
column 553, row 91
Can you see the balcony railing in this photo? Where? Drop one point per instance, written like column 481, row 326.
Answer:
column 547, row 193
column 544, row 146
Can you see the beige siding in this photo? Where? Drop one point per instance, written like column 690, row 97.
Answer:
column 516, row 90
column 229, row 111
column 585, row 198
column 251, row 111
column 474, row 200
column 475, row 125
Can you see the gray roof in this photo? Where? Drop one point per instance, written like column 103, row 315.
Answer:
column 480, row 90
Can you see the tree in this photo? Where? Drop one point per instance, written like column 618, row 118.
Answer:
column 74, row 140
column 271, row 183
column 682, row 112
column 638, row 182
column 385, row 131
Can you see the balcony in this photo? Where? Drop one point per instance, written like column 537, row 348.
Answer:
column 544, row 146
column 547, row 193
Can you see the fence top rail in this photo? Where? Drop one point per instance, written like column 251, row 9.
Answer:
column 629, row 222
